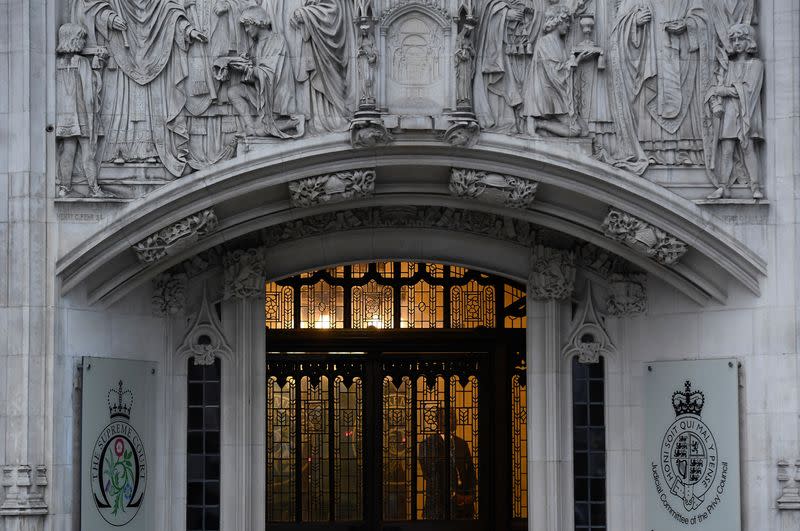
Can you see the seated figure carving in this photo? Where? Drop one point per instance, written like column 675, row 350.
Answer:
column 261, row 93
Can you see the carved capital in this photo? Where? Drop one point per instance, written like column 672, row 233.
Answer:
column 627, row 294
column 589, row 339
column 24, row 488
column 245, row 273
column 644, row 237
column 169, row 294
column 331, row 188
column 205, row 341
column 176, row 237
column 515, row 192
column 552, row 273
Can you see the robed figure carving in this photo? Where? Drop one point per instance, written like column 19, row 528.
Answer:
column 663, row 57
column 145, row 83
column 323, row 64
column 264, row 96
column 496, row 91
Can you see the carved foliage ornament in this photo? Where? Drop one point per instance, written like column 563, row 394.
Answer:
column 589, row 339
column 627, row 294
column 24, row 490
column 176, row 237
column 515, row 192
column 169, row 294
column 245, row 273
column 644, row 237
column 334, row 187
column 552, row 274
column 205, row 341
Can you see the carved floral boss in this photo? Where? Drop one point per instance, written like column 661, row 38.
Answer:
column 176, row 237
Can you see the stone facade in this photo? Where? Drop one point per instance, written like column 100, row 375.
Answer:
column 659, row 197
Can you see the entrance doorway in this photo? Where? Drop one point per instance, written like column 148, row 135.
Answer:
column 395, row 428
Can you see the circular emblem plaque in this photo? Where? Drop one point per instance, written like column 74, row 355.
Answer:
column 118, row 472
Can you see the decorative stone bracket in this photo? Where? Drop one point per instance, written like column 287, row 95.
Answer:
column 331, row 188
column 627, row 294
column 515, row 192
column 790, row 490
column 24, row 488
column 176, row 237
column 169, row 295
column 245, row 273
column 645, row 238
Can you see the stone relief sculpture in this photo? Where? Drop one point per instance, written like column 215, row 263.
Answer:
column 332, row 188
column 169, row 294
column 245, row 271
column 79, row 84
column 176, row 237
column 263, row 97
column 663, row 57
column 162, row 88
column 588, row 339
column 548, row 100
column 627, row 294
column 508, row 190
column 324, row 61
column 205, row 341
column 552, row 273
column 736, row 109
column 644, row 237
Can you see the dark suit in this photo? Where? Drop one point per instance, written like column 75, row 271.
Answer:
column 434, row 462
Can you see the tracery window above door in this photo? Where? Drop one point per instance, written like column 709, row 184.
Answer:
column 394, row 295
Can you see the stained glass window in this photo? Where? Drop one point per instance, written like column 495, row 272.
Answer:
column 394, row 295
column 203, row 447
column 589, row 445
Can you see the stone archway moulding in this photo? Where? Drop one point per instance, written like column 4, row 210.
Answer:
column 574, row 197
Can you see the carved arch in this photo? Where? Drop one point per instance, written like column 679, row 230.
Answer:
column 436, row 13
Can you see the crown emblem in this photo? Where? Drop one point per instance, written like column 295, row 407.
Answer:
column 120, row 402
column 688, row 402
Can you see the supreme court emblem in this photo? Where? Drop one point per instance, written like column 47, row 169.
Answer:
column 118, row 472
column 688, row 450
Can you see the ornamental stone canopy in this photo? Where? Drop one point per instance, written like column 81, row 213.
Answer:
column 148, row 94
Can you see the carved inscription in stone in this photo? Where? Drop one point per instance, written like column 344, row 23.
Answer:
column 516, row 192
column 333, row 187
column 176, row 237
column 644, row 237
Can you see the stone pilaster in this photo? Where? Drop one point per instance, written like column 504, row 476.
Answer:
column 26, row 285
column 551, row 281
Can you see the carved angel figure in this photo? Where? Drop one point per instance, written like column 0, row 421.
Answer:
column 736, row 106
column 79, row 84
column 265, row 87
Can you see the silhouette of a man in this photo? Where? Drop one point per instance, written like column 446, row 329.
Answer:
column 434, row 462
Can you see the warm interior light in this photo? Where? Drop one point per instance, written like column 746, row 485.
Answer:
column 375, row 322
column 324, row 321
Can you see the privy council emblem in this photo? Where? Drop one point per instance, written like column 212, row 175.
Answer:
column 689, row 451
column 119, row 467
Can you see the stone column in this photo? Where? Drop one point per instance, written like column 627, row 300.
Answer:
column 551, row 281
column 25, row 282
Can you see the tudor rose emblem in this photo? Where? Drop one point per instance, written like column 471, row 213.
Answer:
column 688, row 450
column 118, row 466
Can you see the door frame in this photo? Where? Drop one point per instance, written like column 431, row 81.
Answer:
column 494, row 346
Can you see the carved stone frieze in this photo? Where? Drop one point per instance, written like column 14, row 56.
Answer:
column 644, row 237
column 627, row 294
column 205, row 340
column 515, row 192
column 588, row 339
column 245, row 273
column 552, row 273
column 169, row 294
column 176, row 237
column 334, row 187
column 24, row 489
column 790, row 485
column 262, row 73
column 480, row 223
